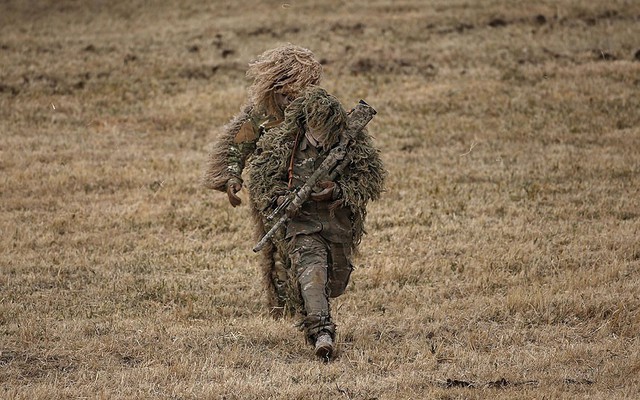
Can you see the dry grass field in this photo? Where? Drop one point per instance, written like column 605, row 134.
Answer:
column 502, row 262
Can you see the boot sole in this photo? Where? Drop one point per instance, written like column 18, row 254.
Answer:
column 324, row 351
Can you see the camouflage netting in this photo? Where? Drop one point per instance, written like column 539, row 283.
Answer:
column 361, row 182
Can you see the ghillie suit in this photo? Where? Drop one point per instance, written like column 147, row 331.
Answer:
column 279, row 76
column 331, row 228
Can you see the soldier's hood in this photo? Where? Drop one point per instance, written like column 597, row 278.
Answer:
column 285, row 70
column 319, row 114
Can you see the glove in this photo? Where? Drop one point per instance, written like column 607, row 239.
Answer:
column 291, row 211
column 327, row 192
column 233, row 187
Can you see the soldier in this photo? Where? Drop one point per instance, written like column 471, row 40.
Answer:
column 321, row 236
column 310, row 260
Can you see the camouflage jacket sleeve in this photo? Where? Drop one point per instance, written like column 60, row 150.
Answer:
column 232, row 147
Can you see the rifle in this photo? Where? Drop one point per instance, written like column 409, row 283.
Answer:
column 331, row 167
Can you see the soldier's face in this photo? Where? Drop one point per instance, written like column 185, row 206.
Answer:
column 320, row 136
column 282, row 100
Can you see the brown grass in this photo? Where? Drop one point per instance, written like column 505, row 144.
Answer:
column 502, row 262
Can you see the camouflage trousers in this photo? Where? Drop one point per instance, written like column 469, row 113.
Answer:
column 322, row 269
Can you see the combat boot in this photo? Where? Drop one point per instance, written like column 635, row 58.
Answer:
column 324, row 345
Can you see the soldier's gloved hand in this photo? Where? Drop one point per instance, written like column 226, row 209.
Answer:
column 281, row 199
column 233, row 187
column 291, row 211
column 326, row 193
